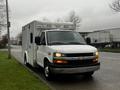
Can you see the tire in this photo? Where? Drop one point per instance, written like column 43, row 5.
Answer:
column 25, row 61
column 88, row 74
column 47, row 72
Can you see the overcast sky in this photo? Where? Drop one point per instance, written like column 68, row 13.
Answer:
column 95, row 14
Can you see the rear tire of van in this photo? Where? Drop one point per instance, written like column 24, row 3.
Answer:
column 25, row 61
column 47, row 72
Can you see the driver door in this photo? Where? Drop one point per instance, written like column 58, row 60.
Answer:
column 41, row 50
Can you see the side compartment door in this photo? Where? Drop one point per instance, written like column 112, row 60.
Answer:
column 30, row 49
column 41, row 50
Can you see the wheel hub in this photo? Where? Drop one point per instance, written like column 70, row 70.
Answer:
column 47, row 71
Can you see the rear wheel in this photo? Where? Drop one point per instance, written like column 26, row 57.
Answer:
column 47, row 71
column 25, row 60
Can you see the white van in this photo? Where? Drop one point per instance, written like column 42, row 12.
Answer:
column 58, row 51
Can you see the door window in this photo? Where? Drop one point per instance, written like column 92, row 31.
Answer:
column 31, row 37
column 43, row 38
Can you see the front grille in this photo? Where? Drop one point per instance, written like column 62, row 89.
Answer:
column 77, row 63
column 80, row 62
column 79, row 54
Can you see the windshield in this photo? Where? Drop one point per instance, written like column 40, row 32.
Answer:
column 64, row 38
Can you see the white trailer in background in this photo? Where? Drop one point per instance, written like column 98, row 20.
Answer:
column 115, row 34
column 105, row 37
column 99, row 38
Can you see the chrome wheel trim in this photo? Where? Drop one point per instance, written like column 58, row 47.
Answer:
column 46, row 71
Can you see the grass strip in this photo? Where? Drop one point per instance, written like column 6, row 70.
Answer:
column 114, row 50
column 13, row 76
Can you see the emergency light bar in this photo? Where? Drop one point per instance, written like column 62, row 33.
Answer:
column 63, row 26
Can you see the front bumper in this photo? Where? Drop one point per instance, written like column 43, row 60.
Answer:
column 75, row 70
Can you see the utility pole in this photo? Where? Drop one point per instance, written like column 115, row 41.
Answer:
column 8, row 31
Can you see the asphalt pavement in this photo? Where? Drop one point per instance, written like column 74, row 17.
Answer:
column 107, row 78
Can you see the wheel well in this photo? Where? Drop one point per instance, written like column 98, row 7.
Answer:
column 25, row 56
column 46, row 61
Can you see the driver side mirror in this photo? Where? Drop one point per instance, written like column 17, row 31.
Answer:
column 37, row 40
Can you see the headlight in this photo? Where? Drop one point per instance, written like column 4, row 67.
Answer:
column 57, row 58
column 57, row 54
column 97, row 55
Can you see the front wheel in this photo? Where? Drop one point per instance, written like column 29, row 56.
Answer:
column 47, row 72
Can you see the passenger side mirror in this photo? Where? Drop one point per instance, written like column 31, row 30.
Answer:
column 37, row 40
column 88, row 40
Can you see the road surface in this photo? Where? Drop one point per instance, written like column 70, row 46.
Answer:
column 107, row 78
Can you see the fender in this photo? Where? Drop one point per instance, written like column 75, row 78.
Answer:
column 47, row 59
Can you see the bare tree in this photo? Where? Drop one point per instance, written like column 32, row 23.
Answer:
column 4, row 41
column 2, row 15
column 115, row 5
column 74, row 18
column 59, row 20
column 45, row 19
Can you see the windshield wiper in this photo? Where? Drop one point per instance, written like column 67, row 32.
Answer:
column 78, row 43
column 57, row 43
